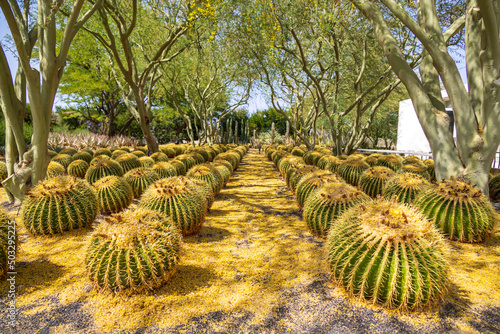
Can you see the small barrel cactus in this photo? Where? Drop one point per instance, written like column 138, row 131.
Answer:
column 351, row 169
column 179, row 166
column 371, row 160
column 101, row 151
column 389, row 254
column 99, row 157
column 78, row 168
column 224, row 170
column 297, row 152
column 59, row 204
column 63, row 159
column 138, row 153
column 329, row 202
column 209, row 174
column 146, row 161
column 101, row 168
column 373, row 180
column 313, row 181
column 52, row 153
column 128, row 161
column 55, row 169
column 88, row 150
column 158, row 156
column 170, row 152
column 83, row 155
column 294, row 175
column 117, row 153
column 187, row 160
column 325, row 161
column 405, row 187
column 229, row 158
column 134, row 250
column 430, row 168
column 288, row 162
column 114, row 194
column 198, row 158
column 180, row 198
column 390, row 161
column 125, row 148
column 460, row 210
column 494, row 185
column 140, row 178
column 3, row 171
column 69, row 151
column 8, row 237
column 420, row 169
column 165, row 169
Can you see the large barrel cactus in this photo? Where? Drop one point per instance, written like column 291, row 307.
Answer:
column 389, row 254
column 140, row 178
column 209, row 174
column 313, row 181
column 114, row 194
column 327, row 203
column 78, row 168
column 128, row 161
column 134, row 250
column 100, row 168
column 405, row 187
column 373, row 180
column 8, row 237
column 55, row 169
column 351, row 169
column 59, row 204
column 461, row 211
column 180, row 198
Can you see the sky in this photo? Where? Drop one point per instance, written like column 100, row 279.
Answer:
column 257, row 99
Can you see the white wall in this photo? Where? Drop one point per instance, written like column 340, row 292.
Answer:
column 411, row 137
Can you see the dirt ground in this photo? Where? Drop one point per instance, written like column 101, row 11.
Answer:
column 253, row 268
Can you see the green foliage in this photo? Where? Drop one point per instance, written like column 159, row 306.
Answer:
column 133, row 250
column 179, row 198
column 140, row 178
column 461, row 211
column 114, row 194
column 389, row 254
column 59, row 204
column 328, row 203
column 261, row 121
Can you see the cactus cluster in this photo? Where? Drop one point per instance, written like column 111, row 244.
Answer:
column 159, row 156
column 114, row 194
column 328, row 203
column 134, row 250
column 165, row 169
column 388, row 253
column 59, row 204
column 390, row 161
column 294, row 175
column 460, row 210
column 83, row 155
column 63, row 159
column 128, row 161
column 146, row 161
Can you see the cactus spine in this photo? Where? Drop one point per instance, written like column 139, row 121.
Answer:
column 389, row 254
column 133, row 250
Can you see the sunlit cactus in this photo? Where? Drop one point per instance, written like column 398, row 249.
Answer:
column 69, row 151
column 229, row 158
column 78, row 168
column 63, row 159
column 117, row 153
column 180, row 198
column 288, row 162
column 140, row 178
column 99, row 157
column 158, row 156
column 294, row 175
column 309, row 183
column 224, row 170
column 372, row 161
column 169, row 151
column 87, row 150
column 114, row 194
column 83, row 155
column 101, row 151
column 373, row 180
column 179, row 166
column 55, row 169
column 165, row 169
column 206, row 156
column 405, row 187
column 350, row 170
column 101, row 168
column 52, row 153
column 460, row 210
column 198, row 158
column 327, row 203
column 312, row 157
column 494, row 185
column 206, row 190
column 125, row 148
column 297, row 152
column 187, row 160
column 387, row 253
column 420, row 169
column 146, row 161
column 59, row 204
column 134, row 250
column 128, row 161
column 139, row 154
column 209, row 174
column 390, row 161
column 412, row 160
column 8, row 237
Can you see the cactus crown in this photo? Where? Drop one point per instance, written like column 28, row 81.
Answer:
column 409, row 180
column 171, row 186
column 339, row 192
column 321, row 177
column 379, row 172
column 456, row 189
column 55, row 186
column 201, row 170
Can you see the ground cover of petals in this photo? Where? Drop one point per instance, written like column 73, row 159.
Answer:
column 253, row 268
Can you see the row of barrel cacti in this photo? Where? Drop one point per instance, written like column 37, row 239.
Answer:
column 384, row 225
column 135, row 248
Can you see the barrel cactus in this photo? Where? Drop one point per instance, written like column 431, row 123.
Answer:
column 138, row 153
column 224, row 170
column 297, row 152
column 288, row 162
column 78, row 168
column 165, row 169
column 146, row 161
column 134, row 250
column 430, row 169
column 187, row 160
column 390, row 161
column 59, row 204
column 117, row 153
column 229, row 158
column 494, row 185
column 128, row 161
column 63, row 159
column 180, row 198
column 140, row 178
column 69, row 151
column 326, row 161
column 83, row 155
column 313, row 181
column 389, row 254
column 420, row 169
column 114, row 194
column 405, row 187
column 101, row 168
column 206, row 190
column 158, row 156
column 101, row 151
column 7, row 237
column 179, row 166
column 373, row 180
column 55, row 169
column 294, row 175
column 460, row 210
column 3, row 171
column 209, row 174
column 351, row 169
column 328, row 203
